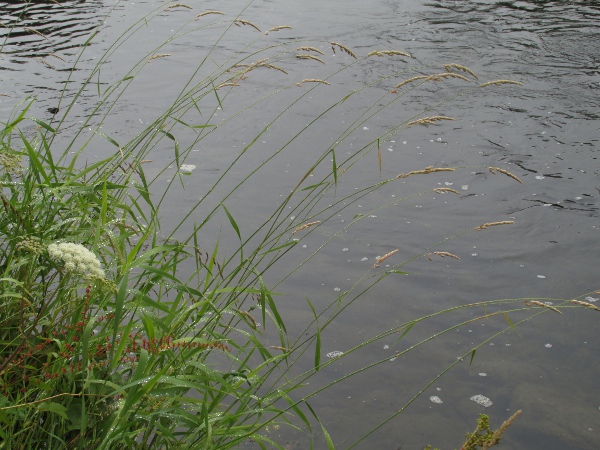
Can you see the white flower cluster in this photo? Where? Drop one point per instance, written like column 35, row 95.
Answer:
column 77, row 258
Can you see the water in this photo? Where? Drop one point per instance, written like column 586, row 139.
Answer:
column 545, row 132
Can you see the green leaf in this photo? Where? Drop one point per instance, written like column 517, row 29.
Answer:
column 43, row 125
column 33, row 158
column 313, row 186
column 279, row 247
column 334, row 166
column 170, row 136
column 412, row 324
column 472, row 356
column 330, row 445
column 318, row 350
column 112, row 141
column 511, row 324
column 55, row 408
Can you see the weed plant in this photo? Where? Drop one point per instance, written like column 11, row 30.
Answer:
column 119, row 332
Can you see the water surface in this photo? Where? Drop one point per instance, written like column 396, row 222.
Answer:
column 545, row 132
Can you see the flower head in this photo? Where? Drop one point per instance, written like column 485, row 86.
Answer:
column 76, row 258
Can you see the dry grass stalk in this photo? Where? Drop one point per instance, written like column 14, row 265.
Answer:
column 490, row 83
column 380, row 259
column 283, row 349
column 389, row 53
column 535, row 302
column 56, row 56
column 44, row 62
column 505, row 172
column 306, row 56
column 310, row 49
column 206, row 13
column 274, row 67
column 443, row 76
column 305, row 226
column 451, row 66
column 227, row 83
column 443, row 255
column 159, row 55
column 586, row 304
column 410, row 80
column 280, row 27
column 342, row 48
column 249, row 317
column 314, row 80
column 178, row 5
column 31, row 30
column 494, row 224
column 446, row 190
column 500, row 431
column 427, row 170
column 240, row 22
column 428, row 120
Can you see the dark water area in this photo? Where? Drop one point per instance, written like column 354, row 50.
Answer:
column 546, row 132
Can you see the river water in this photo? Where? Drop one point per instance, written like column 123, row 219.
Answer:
column 546, row 132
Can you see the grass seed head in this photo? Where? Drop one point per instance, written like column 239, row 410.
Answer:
column 446, row 75
column 159, row 55
column 389, row 53
column 307, row 56
column 280, row 27
column 494, row 224
column 428, row 120
column 240, row 22
column 380, row 259
column 505, row 172
column 206, row 13
column 310, row 49
column 314, row 80
column 491, row 83
column 305, row 226
column 446, row 190
column 586, row 304
column 544, row 305
column 410, row 80
column 427, row 170
column 462, row 68
column 178, row 5
column 342, row 48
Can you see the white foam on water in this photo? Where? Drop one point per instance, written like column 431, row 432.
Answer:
column 481, row 400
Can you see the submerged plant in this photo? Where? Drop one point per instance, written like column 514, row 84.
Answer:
column 118, row 331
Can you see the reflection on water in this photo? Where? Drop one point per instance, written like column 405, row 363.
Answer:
column 545, row 132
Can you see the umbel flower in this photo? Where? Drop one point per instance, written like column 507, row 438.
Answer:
column 76, row 258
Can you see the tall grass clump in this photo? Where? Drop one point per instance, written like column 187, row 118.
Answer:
column 122, row 327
